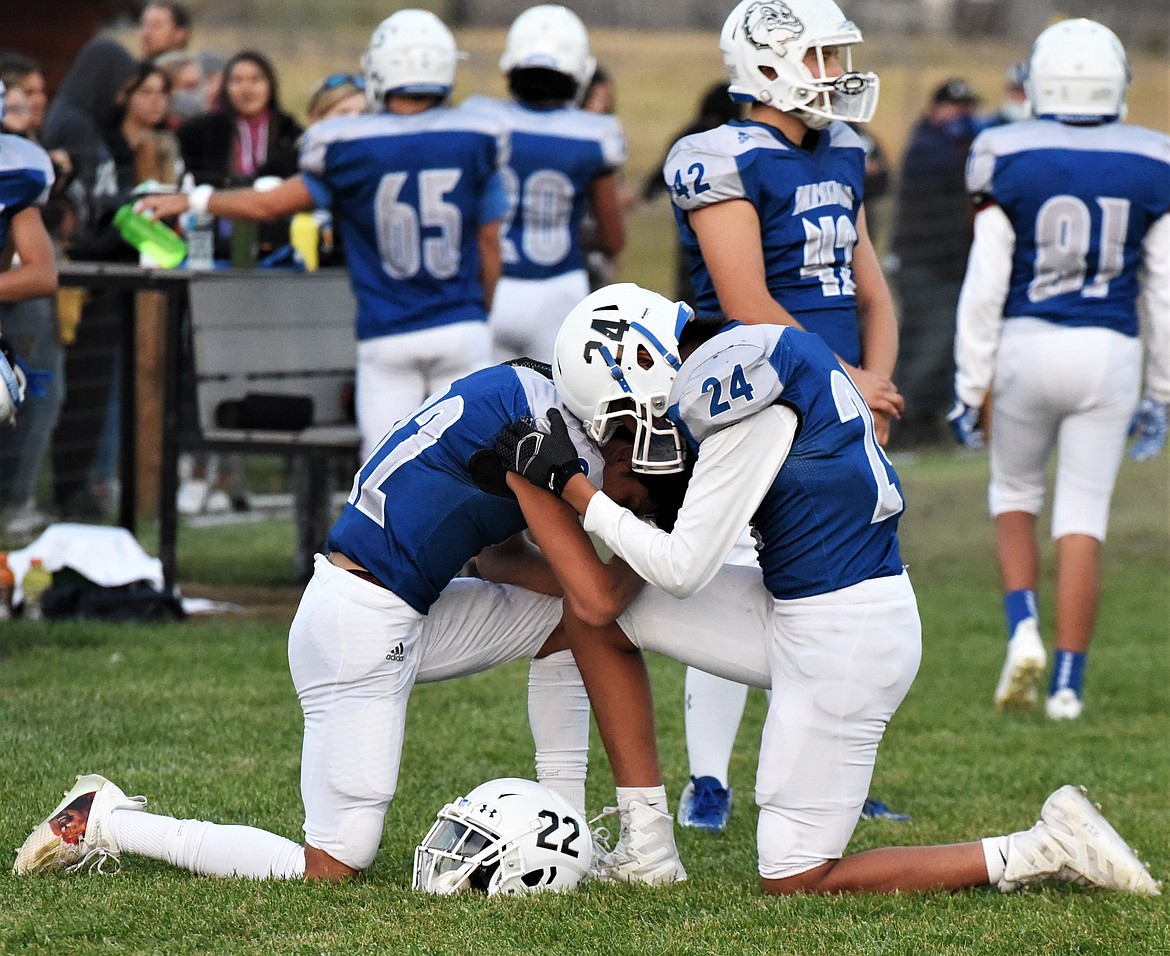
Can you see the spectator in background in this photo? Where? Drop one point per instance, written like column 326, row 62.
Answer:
column 188, row 86
column 28, row 273
column 82, row 103
column 213, row 63
column 339, row 94
column 715, row 109
column 877, row 182
column 74, row 124
column 164, row 26
column 30, row 326
column 1071, row 261
column 561, row 161
column 1014, row 106
column 249, row 135
column 930, row 237
column 421, row 300
column 601, row 97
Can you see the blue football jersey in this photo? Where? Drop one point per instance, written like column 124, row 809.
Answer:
column 807, row 201
column 830, row 518
column 1081, row 200
column 431, row 496
column 408, row 194
column 25, row 177
column 554, row 156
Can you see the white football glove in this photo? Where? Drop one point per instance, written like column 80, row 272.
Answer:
column 966, row 424
column 12, row 385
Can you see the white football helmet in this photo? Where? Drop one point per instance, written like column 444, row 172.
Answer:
column 551, row 37
column 764, row 43
column 507, row 836
column 1078, row 73
column 411, row 52
column 614, row 361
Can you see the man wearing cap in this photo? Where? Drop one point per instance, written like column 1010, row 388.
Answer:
column 929, row 242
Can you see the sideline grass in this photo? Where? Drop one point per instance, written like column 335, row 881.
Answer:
column 201, row 717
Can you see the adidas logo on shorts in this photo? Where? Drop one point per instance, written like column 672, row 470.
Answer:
column 396, row 654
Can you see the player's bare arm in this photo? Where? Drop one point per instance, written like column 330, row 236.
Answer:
column 596, row 592
column 490, row 259
column 262, row 205
column 36, row 275
column 605, row 198
column 728, row 234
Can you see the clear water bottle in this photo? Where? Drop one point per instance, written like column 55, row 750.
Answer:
column 199, row 228
column 35, row 583
column 153, row 239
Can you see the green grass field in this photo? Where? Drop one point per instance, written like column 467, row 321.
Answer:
column 201, row 717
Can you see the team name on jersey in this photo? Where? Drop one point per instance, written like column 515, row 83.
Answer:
column 815, row 195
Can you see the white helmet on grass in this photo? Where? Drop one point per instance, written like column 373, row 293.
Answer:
column 507, row 836
column 1078, row 73
column 764, row 43
column 614, row 361
column 411, row 53
column 549, row 37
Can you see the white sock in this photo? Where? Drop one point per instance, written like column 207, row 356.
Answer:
column 995, row 851
column 653, row 796
column 558, row 713
column 714, row 708
column 209, row 849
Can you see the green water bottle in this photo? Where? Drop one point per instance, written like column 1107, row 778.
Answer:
column 151, row 238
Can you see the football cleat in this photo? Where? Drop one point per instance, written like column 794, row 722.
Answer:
column 705, row 804
column 1022, row 668
column 77, row 833
column 1074, row 843
column 645, row 852
column 1064, row 705
column 874, row 809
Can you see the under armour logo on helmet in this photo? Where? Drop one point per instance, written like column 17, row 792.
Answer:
column 770, row 24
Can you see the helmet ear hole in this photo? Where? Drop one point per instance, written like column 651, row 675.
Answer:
column 645, row 359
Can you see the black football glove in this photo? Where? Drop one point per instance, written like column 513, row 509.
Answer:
column 548, row 461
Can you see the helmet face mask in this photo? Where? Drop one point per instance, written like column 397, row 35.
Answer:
column 411, row 53
column 507, row 836
column 614, row 362
column 1078, row 73
column 765, row 44
column 549, row 37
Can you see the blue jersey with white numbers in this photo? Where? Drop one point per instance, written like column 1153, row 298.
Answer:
column 431, row 496
column 1081, row 200
column 830, row 519
column 408, row 195
column 554, row 156
column 25, row 177
column 807, row 201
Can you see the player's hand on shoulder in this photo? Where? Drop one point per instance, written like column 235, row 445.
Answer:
column 966, row 423
column 1148, row 427
column 547, row 459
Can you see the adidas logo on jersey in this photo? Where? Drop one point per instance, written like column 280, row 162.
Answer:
column 396, row 654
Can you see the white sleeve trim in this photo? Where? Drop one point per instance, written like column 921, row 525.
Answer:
column 980, row 312
column 1154, row 308
column 736, row 467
